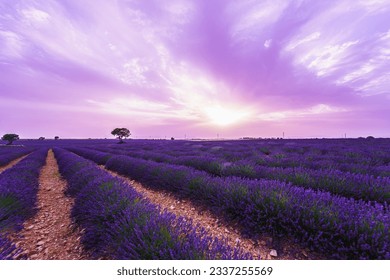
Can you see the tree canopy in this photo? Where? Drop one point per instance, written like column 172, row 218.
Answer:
column 10, row 137
column 121, row 133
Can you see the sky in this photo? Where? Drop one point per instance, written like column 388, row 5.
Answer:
column 195, row 68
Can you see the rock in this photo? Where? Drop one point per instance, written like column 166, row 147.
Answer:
column 40, row 243
column 273, row 253
column 172, row 207
column 238, row 240
column 226, row 230
column 30, row 227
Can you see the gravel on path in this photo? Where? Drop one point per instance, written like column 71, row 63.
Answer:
column 264, row 247
column 50, row 234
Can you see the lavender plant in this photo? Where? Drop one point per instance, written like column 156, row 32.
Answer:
column 7, row 249
column 9, row 155
column 340, row 227
column 120, row 224
column 357, row 186
column 18, row 194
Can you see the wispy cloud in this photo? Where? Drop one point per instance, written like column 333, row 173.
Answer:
column 317, row 110
column 199, row 64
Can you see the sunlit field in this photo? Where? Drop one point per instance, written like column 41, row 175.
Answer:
column 327, row 197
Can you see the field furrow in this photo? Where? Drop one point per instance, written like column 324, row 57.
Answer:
column 11, row 163
column 50, row 234
column 19, row 185
column 259, row 248
column 119, row 223
column 356, row 186
column 7, row 156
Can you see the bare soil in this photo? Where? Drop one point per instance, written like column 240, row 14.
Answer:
column 50, row 234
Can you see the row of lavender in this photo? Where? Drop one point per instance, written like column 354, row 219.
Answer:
column 18, row 195
column 281, row 153
column 119, row 223
column 337, row 226
column 8, row 155
column 367, row 157
column 357, row 186
column 361, row 156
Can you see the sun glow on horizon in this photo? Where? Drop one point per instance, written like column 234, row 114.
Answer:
column 225, row 116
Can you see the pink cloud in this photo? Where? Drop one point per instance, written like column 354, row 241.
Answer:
column 195, row 67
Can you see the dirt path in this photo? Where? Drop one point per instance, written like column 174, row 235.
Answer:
column 261, row 248
column 12, row 163
column 50, row 234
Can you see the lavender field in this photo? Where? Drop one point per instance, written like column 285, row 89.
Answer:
column 252, row 131
column 329, row 196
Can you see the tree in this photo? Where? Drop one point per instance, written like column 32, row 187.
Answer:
column 10, row 137
column 121, row 133
column 56, row 137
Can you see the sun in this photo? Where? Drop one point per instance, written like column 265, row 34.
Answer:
column 224, row 116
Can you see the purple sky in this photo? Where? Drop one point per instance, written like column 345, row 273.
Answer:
column 197, row 68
